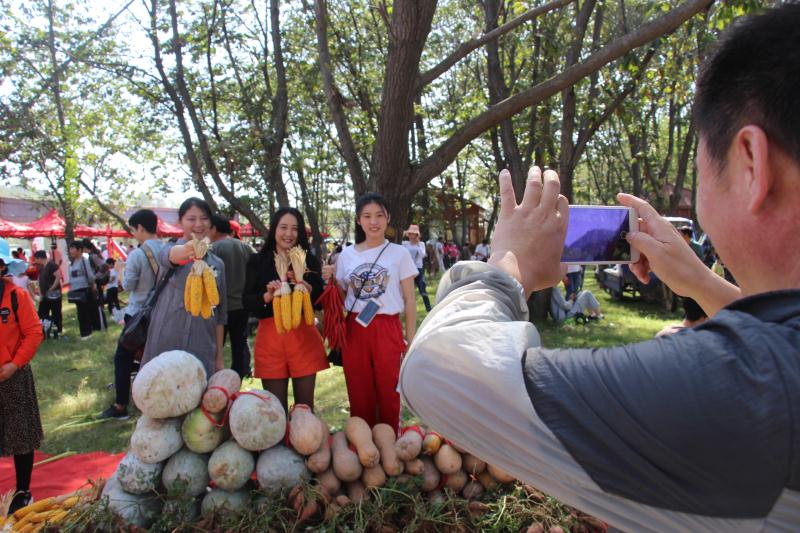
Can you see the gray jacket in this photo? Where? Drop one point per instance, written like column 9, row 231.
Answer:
column 81, row 274
column 139, row 278
column 689, row 432
column 171, row 325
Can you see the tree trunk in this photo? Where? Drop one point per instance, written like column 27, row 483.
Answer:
column 498, row 91
column 391, row 169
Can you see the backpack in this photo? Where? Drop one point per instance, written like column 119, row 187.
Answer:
column 14, row 300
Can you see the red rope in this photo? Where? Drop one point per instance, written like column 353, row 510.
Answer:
column 416, row 429
column 231, row 399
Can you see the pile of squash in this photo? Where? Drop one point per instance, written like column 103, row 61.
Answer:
column 202, row 447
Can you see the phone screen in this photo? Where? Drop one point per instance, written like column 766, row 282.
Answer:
column 597, row 235
column 365, row 316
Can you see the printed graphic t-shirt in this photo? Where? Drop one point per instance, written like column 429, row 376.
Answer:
column 382, row 282
column 417, row 252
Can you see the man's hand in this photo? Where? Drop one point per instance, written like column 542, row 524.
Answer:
column 529, row 238
column 664, row 252
column 7, row 370
column 328, row 271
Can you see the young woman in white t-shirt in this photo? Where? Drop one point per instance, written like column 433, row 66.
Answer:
column 375, row 271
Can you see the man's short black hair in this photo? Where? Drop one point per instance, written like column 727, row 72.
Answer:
column 111, row 261
column 752, row 77
column 221, row 224
column 40, row 254
column 77, row 244
column 145, row 218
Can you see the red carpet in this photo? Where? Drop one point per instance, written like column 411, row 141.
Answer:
column 62, row 476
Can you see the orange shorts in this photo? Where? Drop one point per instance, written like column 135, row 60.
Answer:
column 294, row 354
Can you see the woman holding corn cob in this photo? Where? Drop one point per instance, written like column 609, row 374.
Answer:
column 191, row 311
column 282, row 281
column 375, row 274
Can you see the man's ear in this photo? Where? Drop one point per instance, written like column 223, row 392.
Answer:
column 752, row 150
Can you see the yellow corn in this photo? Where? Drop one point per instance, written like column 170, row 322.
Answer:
column 297, row 306
column 44, row 516
column 308, row 309
column 277, row 315
column 3, row 520
column 210, row 284
column 187, row 294
column 70, row 502
column 286, row 310
column 197, row 294
column 41, row 505
column 205, row 307
column 26, row 528
column 58, row 517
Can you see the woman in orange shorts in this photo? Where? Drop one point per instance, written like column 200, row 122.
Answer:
column 298, row 353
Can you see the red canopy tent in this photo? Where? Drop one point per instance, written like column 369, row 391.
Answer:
column 13, row 229
column 168, row 230
column 50, row 225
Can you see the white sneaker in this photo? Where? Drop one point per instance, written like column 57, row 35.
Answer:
column 86, row 338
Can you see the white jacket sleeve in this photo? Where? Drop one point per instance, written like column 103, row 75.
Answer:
column 463, row 377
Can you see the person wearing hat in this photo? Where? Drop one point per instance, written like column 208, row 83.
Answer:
column 416, row 248
column 20, row 336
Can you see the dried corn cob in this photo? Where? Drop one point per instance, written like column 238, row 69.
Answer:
column 308, row 309
column 210, row 285
column 276, row 312
column 41, row 505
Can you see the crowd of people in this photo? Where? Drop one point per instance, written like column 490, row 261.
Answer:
column 688, row 431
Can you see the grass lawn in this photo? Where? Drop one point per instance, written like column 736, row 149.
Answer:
column 74, row 378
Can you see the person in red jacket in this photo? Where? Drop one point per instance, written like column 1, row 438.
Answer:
column 20, row 336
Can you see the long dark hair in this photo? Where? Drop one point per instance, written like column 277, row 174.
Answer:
column 363, row 201
column 302, row 238
column 194, row 202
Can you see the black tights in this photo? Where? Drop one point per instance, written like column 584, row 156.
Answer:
column 303, row 389
column 23, row 464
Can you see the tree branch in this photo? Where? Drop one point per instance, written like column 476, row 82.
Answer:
column 334, row 99
column 439, row 160
column 465, row 48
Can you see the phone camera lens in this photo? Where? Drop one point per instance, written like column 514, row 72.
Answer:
column 623, row 234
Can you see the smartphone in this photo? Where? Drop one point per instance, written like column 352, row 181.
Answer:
column 596, row 235
column 365, row 316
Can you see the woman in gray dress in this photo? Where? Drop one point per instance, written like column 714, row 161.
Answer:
column 171, row 325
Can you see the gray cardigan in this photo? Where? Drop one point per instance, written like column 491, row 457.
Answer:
column 172, row 327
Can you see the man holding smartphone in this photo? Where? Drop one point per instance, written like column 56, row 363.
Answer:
column 694, row 431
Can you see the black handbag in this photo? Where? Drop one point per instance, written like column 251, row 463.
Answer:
column 79, row 296
column 134, row 335
column 335, row 354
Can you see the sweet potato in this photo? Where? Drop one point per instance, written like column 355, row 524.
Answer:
column 408, row 445
column 414, row 467
column 373, row 477
column 346, row 465
column 487, row 480
column 384, row 437
column 447, row 460
column 456, row 482
column 306, row 431
column 473, row 465
column 357, row 492
column 360, row 436
column 500, row 475
column 472, row 490
column 430, row 476
column 328, row 481
column 320, row 460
